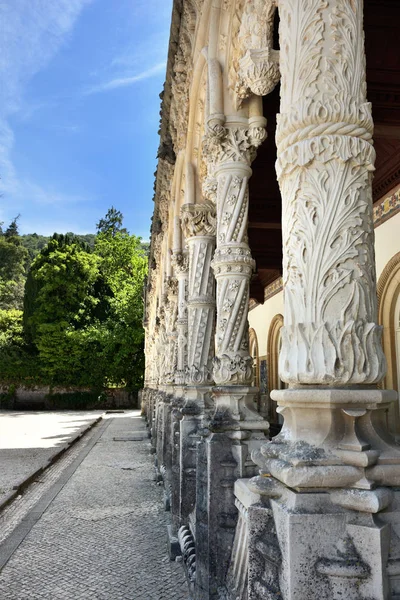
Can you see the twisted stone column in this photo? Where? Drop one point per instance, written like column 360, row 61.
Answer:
column 198, row 222
column 235, row 428
column 180, row 263
column 171, row 311
column 231, row 149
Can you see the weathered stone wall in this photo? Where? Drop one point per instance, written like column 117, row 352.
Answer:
column 47, row 397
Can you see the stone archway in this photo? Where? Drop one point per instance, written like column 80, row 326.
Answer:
column 388, row 291
column 254, row 353
column 274, row 382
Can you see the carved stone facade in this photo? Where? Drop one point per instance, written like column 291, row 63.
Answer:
column 314, row 512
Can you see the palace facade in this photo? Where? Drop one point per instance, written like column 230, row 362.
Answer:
column 272, row 309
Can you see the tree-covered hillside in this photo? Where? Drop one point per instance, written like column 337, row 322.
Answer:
column 34, row 242
column 71, row 307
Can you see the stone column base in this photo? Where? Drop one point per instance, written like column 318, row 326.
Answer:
column 332, row 438
column 307, row 546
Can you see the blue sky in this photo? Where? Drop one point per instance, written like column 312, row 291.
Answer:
column 79, row 111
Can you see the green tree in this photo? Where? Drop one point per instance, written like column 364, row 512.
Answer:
column 12, row 233
column 82, row 318
column 13, row 266
column 112, row 223
column 124, row 266
column 60, row 300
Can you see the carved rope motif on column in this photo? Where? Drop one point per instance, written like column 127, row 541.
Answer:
column 325, row 164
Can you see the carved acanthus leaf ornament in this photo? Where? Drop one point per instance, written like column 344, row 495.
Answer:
column 325, row 165
column 237, row 144
column 256, row 63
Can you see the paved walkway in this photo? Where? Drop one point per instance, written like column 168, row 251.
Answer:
column 28, row 440
column 93, row 526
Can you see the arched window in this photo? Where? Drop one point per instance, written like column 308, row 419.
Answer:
column 389, row 318
column 253, row 350
column 274, row 344
column 397, row 339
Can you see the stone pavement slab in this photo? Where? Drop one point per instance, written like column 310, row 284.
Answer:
column 104, row 535
column 29, row 440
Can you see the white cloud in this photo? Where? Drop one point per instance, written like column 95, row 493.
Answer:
column 31, row 33
column 126, row 81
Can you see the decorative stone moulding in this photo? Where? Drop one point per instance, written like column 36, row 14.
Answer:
column 332, row 438
column 255, row 62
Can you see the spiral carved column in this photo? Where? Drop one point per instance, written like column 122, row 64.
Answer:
column 235, row 428
column 198, row 221
column 180, row 263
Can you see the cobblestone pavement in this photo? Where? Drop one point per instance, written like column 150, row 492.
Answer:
column 103, row 536
column 29, row 439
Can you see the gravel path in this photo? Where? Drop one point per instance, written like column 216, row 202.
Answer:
column 98, row 528
column 29, row 439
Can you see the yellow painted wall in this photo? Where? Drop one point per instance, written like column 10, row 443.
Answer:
column 260, row 319
column 387, row 242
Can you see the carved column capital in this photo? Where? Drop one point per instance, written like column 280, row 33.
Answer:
column 180, row 263
column 198, row 219
column 233, row 143
column 255, row 62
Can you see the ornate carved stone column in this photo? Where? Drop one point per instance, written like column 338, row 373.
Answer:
column 180, row 262
column 232, row 149
column 198, row 222
column 171, row 310
column 331, row 341
column 333, row 438
column 235, row 427
column 325, row 167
